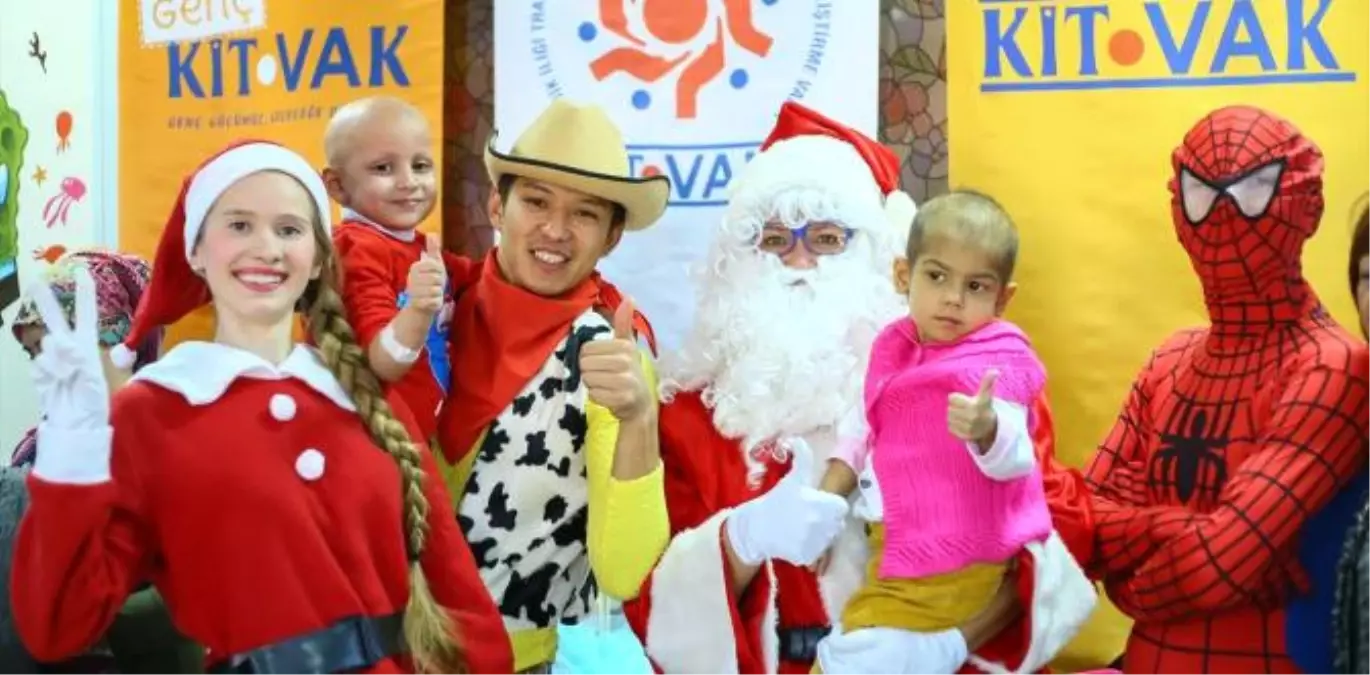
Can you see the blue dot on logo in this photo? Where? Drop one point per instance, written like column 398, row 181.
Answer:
column 738, row 79
column 641, row 99
column 768, row 3
column 588, row 31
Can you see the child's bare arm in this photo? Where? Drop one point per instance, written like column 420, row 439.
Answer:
column 397, row 346
column 849, row 456
column 839, row 479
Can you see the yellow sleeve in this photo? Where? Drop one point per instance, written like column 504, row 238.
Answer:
column 455, row 476
column 628, row 528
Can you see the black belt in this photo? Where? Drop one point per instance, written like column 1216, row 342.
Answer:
column 346, row 646
column 801, row 644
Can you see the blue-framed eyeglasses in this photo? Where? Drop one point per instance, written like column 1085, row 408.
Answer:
column 819, row 238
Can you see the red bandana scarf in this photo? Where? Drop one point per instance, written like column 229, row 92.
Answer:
column 501, row 337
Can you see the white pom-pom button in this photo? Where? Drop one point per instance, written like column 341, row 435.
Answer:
column 309, row 464
column 122, row 357
column 282, row 407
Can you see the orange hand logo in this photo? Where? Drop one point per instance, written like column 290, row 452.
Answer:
column 671, row 23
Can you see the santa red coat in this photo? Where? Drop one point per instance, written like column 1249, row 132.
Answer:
column 253, row 498
column 686, row 615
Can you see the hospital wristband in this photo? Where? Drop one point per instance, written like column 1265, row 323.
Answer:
column 397, row 351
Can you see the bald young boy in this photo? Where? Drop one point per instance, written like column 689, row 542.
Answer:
column 382, row 173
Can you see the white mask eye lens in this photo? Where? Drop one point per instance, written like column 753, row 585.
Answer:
column 1253, row 193
column 1197, row 197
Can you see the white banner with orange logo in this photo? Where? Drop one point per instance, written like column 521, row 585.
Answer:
column 695, row 86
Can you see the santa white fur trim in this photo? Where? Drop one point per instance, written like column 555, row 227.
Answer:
column 1062, row 600
column 690, row 629
column 899, row 211
column 806, row 163
column 770, row 624
column 846, row 570
column 229, row 167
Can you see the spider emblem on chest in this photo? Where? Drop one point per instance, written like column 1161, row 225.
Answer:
column 1192, row 459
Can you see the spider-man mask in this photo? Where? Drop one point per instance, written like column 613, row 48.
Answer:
column 1246, row 195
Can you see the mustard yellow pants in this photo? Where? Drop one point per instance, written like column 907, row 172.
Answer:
column 926, row 604
column 923, row 605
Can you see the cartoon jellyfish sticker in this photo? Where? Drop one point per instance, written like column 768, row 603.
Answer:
column 56, row 209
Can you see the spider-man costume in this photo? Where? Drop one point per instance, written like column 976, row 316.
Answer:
column 1232, row 434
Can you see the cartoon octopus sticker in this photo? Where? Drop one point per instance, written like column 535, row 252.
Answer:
column 72, row 190
column 64, row 123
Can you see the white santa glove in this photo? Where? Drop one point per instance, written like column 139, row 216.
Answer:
column 793, row 522
column 892, row 650
column 73, row 397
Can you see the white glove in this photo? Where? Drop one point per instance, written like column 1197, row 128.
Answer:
column 73, row 397
column 793, row 522
column 892, row 650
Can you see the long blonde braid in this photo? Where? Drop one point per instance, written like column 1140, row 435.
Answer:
column 428, row 629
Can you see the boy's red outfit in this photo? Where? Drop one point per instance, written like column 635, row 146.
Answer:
column 375, row 270
column 1234, row 434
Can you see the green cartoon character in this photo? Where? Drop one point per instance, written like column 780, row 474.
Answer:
column 13, row 137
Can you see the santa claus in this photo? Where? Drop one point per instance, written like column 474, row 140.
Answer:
column 796, row 287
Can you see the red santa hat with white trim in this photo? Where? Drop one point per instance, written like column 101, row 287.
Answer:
column 809, row 150
column 176, row 290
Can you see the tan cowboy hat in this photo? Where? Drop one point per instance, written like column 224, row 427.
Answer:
column 579, row 147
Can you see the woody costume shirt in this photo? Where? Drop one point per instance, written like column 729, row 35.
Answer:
column 686, row 614
column 376, row 262
column 249, row 492
column 527, row 455
column 1233, row 434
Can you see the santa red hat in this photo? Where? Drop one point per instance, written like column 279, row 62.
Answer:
column 807, row 149
column 176, row 290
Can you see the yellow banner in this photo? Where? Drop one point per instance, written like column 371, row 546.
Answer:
column 194, row 76
column 1068, row 111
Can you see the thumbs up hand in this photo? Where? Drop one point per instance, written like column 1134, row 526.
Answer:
column 972, row 418
column 612, row 370
column 427, row 279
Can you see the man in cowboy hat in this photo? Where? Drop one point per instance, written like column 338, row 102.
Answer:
column 549, row 431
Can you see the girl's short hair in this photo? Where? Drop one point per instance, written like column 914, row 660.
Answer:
column 972, row 217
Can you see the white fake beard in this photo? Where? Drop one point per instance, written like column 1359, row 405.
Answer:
column 775, row 358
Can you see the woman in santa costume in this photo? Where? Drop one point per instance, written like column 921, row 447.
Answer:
column 765, row 375
column 272, row 494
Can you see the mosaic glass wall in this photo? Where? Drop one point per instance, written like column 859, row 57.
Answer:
column 913, row 107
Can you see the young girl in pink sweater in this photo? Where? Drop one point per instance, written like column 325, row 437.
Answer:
column 941, row 450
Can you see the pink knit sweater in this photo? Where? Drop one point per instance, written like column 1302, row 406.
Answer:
column 941, row 512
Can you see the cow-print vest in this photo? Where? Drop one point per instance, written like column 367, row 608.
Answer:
column 526, row 503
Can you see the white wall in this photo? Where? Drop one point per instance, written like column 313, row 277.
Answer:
column 80, row 39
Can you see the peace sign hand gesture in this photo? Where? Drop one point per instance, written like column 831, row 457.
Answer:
column 972, row 418
column 67, row 373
